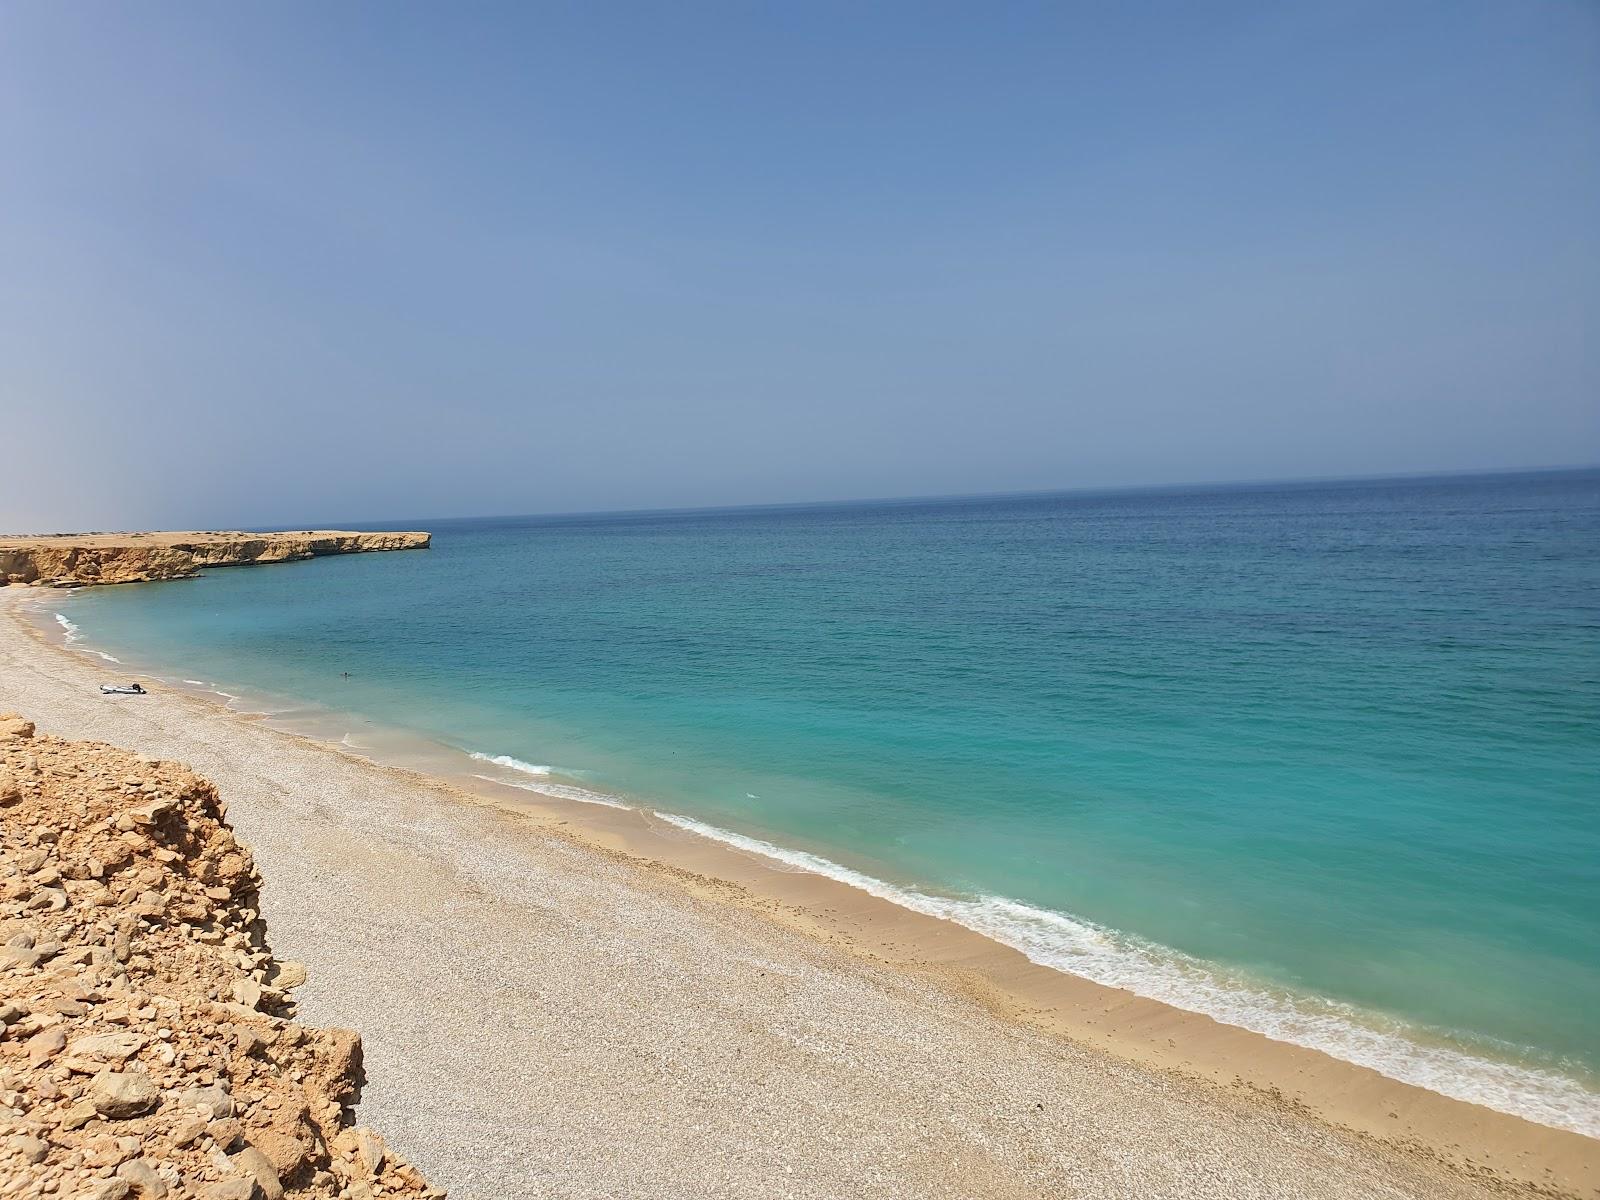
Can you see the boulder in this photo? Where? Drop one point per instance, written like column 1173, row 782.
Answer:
column 118, row 1095
column 256, row 1165
column 29, row 1149
column 142, row 1178
column 14, row 728
column 287, row 975
column 45, row 1045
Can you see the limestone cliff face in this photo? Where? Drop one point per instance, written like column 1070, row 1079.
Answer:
column 80, row 560
column 76, row 566
column 281, row 547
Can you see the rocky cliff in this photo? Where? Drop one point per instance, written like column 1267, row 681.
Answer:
column 147, row 1046
column 79, row 560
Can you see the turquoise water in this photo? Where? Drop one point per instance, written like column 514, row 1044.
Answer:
column 1323, row 760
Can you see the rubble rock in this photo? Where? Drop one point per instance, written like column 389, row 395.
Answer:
column 119, row 1094
column 147, row 1032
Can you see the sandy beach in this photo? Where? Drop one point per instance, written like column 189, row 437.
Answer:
column 566, row 1000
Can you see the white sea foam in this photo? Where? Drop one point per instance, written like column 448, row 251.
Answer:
column 1082, row 948
column 198, row 682
column 74, row 634
column 561, row 791
column 512, row 764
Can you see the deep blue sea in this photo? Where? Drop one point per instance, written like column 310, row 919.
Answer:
column 1322, row 760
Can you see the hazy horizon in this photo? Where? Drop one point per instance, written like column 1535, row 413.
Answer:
column 396, row 520
column 1169, row 485
column 265, row 264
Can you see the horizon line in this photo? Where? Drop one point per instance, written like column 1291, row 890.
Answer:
column 1021, row 493
column 921, row 498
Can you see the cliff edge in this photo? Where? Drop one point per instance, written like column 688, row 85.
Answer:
column 84, row 559
column 147, row 1046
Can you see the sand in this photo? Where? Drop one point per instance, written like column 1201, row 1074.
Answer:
column 548, row 1011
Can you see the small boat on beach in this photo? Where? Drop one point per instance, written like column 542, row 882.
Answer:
column 122, row 689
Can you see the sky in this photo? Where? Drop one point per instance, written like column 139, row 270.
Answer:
column 304, row 263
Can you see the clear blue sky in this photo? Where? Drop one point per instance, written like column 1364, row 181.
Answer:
column 281, row 263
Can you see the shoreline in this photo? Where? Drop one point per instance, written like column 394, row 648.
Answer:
column 1417, row 1124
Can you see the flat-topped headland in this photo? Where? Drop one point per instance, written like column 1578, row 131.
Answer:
column 83, row 559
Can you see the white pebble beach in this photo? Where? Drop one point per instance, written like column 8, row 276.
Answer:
column 541, row 1018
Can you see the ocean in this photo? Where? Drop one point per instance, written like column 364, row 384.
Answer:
column 1321, row 760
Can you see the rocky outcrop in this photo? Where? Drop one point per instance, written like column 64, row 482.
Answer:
column 147, row 1046
column 80, row 560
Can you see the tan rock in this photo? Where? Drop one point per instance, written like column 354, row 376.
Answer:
column 284, row 1151
column 209, row 1101
column 187, row 1129
column 227, row 1132
column 256, row 1165
column 106, row 1151
column 14, row 728
column 141, row 1176
column 370, row 1149
column 247, row 992
column 104, row 1047
column 121, row 1094
column 78, row 1116
column 287, row 975
column 28, row 1149
column 22, row 956
column 45, row 1045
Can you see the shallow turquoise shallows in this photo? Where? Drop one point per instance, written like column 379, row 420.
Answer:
column 1322, row 760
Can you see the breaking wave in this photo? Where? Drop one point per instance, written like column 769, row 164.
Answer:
column 511, row 764
column 1082, row 948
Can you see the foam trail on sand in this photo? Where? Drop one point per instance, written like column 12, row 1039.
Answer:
column 1081, row 948
column 75, row 634
column 560, row 791
column 511, row 764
